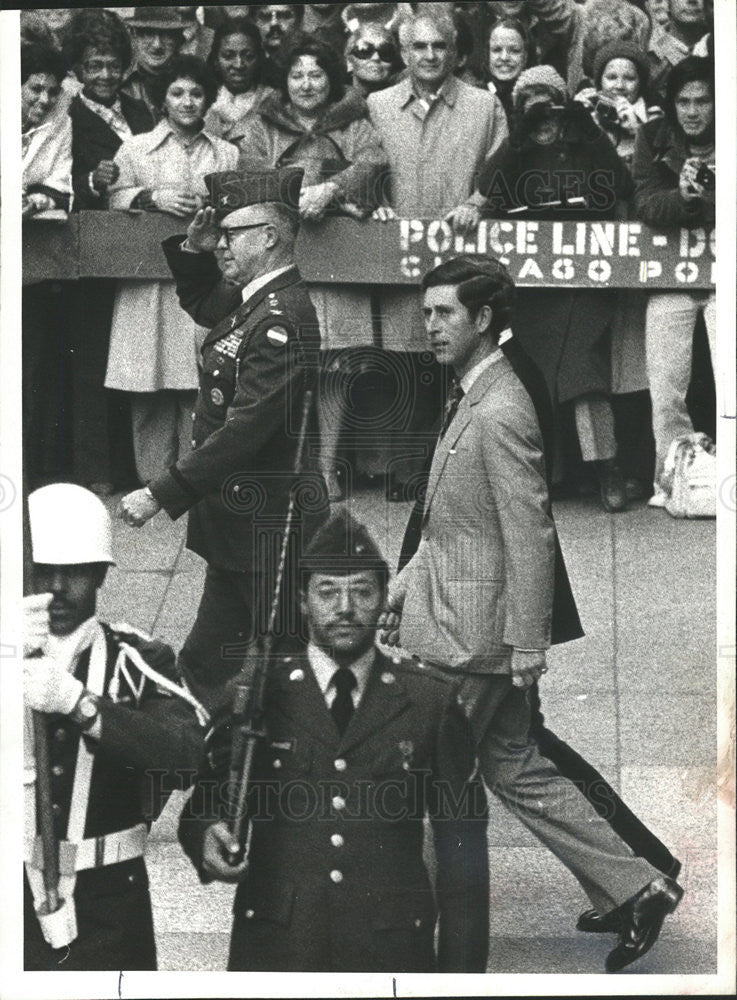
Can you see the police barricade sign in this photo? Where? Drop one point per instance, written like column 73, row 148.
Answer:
column 343, row 251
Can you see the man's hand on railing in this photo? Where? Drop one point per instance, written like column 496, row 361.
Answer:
column 384, row 213
column 203, row 233
column 180, row 203
column 465, row 218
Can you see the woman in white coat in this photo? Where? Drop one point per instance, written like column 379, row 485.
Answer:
column 154, row 346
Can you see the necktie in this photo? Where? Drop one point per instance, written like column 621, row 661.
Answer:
column 343, row 680
column 455, row 395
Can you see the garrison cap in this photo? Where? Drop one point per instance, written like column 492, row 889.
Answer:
column 230, row 190
column 342, row 546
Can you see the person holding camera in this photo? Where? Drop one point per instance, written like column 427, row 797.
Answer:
column 673, row 170
column 619, row 103
column 619, row 100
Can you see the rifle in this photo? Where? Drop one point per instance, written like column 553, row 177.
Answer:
column 41, row 754
column 250, row 692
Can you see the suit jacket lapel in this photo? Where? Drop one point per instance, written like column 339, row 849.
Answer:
column 244, row 310
column 300, row 699
column 462, row 419
column 383, row 700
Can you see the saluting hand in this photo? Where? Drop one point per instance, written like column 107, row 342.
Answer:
column 138, row 507
column 203, row 234
column 217, row 846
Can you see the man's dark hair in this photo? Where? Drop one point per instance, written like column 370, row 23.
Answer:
column 479, row 281
column 692, row 69
column 99, row 29
column 188, row 68
column 237, row 26
column 41, row 59
column 326, row 58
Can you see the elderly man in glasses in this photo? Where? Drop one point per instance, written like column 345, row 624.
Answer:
column 258, row 361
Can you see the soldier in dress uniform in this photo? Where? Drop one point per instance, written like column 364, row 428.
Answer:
column 258, row 361
column 359, row 748
column 122, row 733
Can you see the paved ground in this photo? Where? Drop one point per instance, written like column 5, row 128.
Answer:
column 637, row 697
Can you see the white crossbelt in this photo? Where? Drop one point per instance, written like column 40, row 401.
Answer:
column 94, row 852
column 60, row 928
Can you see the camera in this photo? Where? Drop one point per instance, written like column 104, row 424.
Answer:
column 605, row 110
column 706, row 177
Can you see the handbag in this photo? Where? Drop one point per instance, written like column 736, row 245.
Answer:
column 690, row 477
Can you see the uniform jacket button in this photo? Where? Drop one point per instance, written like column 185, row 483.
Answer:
column 56, row 809
column 336, row 876
column 338, row 802
column 250, row 914
column 60, row 735
column 336, row 840
column 340, row 764
column 57, row 770
column 277, row 764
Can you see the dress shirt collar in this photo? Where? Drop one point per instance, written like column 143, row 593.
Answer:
column 65, row 649
column 471, row 376
column 263, row 279
column 323, row 667
column 163, row 131
column 448, row 92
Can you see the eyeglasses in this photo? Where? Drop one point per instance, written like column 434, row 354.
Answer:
column 385, row 51
column 227, row 232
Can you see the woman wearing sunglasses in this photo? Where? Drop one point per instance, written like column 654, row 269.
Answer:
column 373, row 58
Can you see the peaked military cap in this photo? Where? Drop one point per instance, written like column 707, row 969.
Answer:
column 342, row 545
column 229, row 190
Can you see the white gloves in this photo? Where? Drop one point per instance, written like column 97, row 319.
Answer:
column 48, row 687
column 35, row 623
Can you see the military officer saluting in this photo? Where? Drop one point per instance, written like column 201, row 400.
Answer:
column 122, row 733
column 359, row 749
column 258, row 361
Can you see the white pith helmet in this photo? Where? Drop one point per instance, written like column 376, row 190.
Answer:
column 69, row 526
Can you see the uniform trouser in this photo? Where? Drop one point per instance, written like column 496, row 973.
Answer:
column 669, row 330
column 162, row 429
column 114, row 924
column 549, row 805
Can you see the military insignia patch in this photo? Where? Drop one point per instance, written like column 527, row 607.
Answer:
column 217, row 397
column 277, row 335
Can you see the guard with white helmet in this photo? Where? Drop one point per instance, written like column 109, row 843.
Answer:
column 123, row 732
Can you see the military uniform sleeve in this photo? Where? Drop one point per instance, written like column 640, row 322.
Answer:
column 159, row 732
column 459, row 814
column 203, row 292
column 271, row 369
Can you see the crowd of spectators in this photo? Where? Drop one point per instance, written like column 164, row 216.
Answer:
column 409, row 110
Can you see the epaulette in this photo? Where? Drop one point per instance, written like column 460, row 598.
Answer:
column 417, row 667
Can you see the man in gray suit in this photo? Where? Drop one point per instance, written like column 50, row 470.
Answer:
column 476, row 599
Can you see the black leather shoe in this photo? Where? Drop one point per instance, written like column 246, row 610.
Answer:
column 592, row 922
column 613, row 492
column 642, row 920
